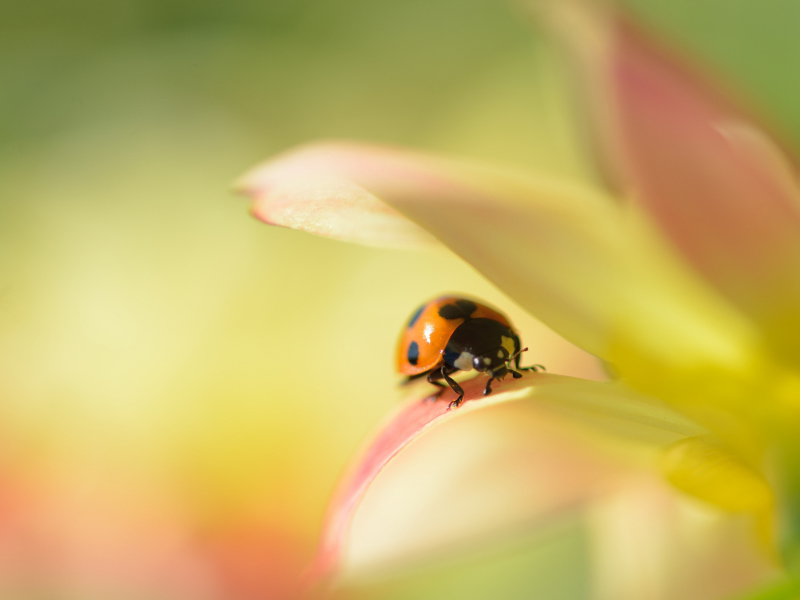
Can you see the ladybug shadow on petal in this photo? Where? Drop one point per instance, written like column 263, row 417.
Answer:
column 450, row 334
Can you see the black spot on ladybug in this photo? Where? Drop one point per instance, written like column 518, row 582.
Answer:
column 415, row 316
column 467, row 306
column 413, row 353
column 450, row 311
column 462, row 309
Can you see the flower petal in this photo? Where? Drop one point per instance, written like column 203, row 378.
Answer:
column 604, row 404
column 483, row 215
column 565, row 252
column 714, row 181
column 649, row 542
column 310, row 191
column 707, row 470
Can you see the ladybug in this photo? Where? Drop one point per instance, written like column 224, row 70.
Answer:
column 452, row 334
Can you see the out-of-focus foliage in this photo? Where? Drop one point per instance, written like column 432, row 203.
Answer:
column 180, row 386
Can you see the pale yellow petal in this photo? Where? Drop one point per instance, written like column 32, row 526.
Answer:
column 714, row 474
column 650, row 542
column 565, row 252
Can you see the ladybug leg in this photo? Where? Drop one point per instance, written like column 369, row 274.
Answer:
column 432, row 379
column 456, row 388
column 488, row 389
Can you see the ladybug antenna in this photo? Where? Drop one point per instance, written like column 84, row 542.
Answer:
column 516, row 354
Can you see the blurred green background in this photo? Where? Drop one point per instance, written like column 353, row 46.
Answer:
column 181, row 385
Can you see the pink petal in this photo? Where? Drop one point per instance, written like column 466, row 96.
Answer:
column 710, row 176
column 313, row 190
column 603, row 402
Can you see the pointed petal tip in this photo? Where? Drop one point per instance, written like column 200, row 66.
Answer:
column 315, row 188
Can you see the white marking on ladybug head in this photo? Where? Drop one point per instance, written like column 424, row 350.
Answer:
column 500, row 354
column 464, row 361
column 508, row 344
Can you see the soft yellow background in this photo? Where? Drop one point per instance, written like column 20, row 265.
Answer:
column 176, row 378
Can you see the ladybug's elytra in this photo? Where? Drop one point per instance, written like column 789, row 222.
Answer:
column 452, row 334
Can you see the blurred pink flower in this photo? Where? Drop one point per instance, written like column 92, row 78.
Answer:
column 73, row 537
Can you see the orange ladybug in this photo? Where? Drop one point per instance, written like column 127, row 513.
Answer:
column 452, row 334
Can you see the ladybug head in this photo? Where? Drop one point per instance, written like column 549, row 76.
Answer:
column 495, row 362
